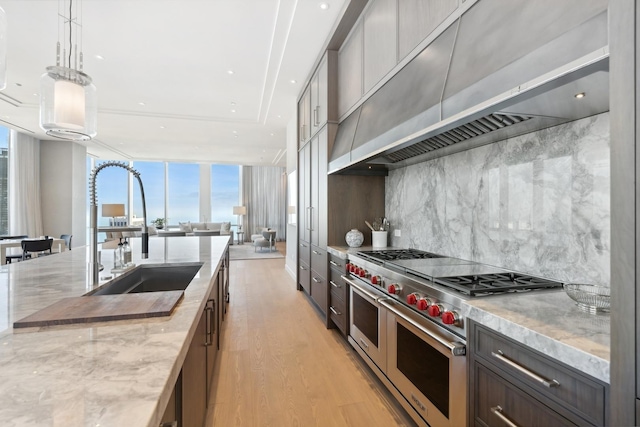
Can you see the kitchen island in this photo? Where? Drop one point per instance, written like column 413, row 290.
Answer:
column 118, row 373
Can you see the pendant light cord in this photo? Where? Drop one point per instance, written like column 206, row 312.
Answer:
column 70, row 40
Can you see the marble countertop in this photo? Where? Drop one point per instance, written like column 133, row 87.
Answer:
column 100, row 374
column 547, row 321
column 344, row 251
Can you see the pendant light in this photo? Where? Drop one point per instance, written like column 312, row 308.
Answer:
column 68, row 104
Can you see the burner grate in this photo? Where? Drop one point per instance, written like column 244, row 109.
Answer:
column 495, row 283
column 397, row 254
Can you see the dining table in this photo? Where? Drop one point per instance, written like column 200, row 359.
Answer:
column 58, row 245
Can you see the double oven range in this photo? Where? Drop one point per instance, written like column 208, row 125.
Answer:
column 407, row 321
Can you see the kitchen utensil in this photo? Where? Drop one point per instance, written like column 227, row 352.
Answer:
column 589, row 298
column 369, row 225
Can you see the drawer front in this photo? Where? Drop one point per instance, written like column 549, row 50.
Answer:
column 319, row 291
column 319, row 260
column 339, row 287
column 304, row 276
column 337, row 263
column 497, row 400
column 572, row 389
column 304, row 251
column 338, row 313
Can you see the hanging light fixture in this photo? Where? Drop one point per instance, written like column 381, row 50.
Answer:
column 68, row 104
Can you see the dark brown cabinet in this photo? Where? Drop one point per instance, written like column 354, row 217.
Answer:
column 212, row 314
column 339, row 295
column 514, row 383
column 194, row 379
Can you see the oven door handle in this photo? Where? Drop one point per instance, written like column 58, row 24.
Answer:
column 362, row 290
column 456, row 348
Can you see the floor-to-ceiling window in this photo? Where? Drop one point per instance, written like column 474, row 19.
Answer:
column 183, row 202
column 152, row 176
column 225, row 192
column 4, row 180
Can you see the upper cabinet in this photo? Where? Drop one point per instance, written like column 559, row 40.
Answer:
column 304, row 118
column 324, row 94
column 350, row 70
column 380, row 41
column 417, row 19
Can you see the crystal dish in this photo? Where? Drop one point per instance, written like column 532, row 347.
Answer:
column 589, row 298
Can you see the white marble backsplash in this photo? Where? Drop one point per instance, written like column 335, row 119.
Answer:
column 538, row 203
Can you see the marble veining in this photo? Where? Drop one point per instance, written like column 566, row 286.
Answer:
column 100, row 374
column 537, row 203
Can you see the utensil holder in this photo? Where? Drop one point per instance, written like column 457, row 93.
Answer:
column 379, row 239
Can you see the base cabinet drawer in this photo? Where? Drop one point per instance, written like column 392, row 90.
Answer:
column 338, row 314
column 499, row 403
column 338, row 286
column 319, row 291
column 304, row 276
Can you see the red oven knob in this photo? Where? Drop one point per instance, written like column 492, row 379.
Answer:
column 450, row 318
column 376, row 280
column 351, row 268
column 363, row 273
column 423, row 303
column 412, row 298
column 435, row 310
column 394, row 288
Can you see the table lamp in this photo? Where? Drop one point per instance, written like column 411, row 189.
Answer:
column 239, row 211
column 112, row 210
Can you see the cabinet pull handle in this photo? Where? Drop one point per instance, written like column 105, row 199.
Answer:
column 364, row 344
column 302, row 267
column 214, row 321
column 335, row 264
column 315, row 280
column 169, row 424
column 497, row 410
column 316, row 114
column 334, row 311
column 334, row 284
column 301, row 132
column 500, row 356
column 302, row 245
column 315, row 252
column 208, row 325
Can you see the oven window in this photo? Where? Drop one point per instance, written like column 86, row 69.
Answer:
column 425, row 367
column 365, row 318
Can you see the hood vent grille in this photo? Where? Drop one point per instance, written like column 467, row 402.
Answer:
column 481, row 126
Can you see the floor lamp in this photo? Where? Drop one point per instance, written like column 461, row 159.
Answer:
column 239, row 211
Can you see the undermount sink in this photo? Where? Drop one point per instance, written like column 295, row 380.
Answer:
column 151, row 278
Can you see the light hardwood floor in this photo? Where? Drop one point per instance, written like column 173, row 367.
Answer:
column 279, row 366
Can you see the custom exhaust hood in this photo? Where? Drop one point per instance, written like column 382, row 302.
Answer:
column 502, row 69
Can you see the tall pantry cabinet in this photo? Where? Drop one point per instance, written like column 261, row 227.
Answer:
column 325, row 209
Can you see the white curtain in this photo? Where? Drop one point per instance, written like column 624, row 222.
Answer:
column 264, row 193
column 25, row 215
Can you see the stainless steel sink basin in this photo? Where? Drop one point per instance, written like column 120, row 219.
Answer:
column 151, row 278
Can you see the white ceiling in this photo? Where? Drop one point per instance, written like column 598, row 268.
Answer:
column 174, row 56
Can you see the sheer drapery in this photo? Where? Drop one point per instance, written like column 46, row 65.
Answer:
column 264, row 192
column 25, row 215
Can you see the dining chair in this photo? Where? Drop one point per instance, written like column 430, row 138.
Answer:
column 67, row 240
column 15, row 257
column 42, row 247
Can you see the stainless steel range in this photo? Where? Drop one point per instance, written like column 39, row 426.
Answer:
column 406, row 320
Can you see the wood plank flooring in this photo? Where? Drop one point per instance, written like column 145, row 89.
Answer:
column 279, row 366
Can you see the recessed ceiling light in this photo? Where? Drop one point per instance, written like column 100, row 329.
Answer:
column 324, row 6
column 141, row 103
column 161, row 127
column 35, row 94
column 235, row 131
column 279, row 116
column 235, row 136
column 100, row 57
column 272, row 134
column 233, row 103
column 580, row 95
column 293, row 81
column 229, row 72
column 233, row 111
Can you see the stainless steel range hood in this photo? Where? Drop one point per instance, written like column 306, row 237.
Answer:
column 504, row 68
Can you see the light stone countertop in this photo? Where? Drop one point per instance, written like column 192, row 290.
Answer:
column 547, row 321
column 108, row 374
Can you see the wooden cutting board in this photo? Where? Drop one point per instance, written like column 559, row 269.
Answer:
column 103, row 308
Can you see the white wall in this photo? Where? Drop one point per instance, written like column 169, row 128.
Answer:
column 292, row 230
column 63, row 187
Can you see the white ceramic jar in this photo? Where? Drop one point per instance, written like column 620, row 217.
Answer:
column 354, row 238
